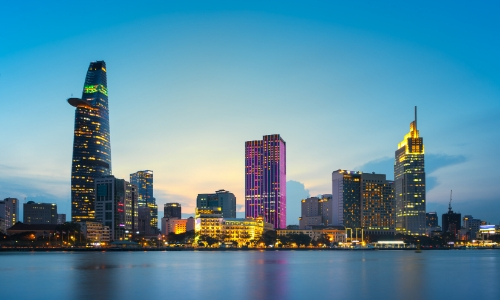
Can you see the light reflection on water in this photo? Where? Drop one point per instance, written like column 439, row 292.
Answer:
column 251, row 275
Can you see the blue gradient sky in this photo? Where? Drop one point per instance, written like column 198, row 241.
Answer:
column 189, row 82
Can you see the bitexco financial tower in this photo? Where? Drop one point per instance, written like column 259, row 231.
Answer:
column 91, row 144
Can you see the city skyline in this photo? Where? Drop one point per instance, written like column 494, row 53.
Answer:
column 343, row 80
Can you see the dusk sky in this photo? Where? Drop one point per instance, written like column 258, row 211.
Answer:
column 190, row 81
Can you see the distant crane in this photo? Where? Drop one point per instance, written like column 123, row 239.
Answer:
column 449, row 205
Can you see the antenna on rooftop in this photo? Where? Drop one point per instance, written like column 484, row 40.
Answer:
column 415, row 117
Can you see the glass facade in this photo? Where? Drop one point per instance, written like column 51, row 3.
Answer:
column 144, row 182
column 265, row 180
column 91, row 143
column 409, row 181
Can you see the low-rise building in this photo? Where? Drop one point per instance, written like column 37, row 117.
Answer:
column 39, row 213
column 333, row 234
column 94, row 232
column 40, row 230
column 176, row 225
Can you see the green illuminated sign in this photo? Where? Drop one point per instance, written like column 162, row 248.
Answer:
column 90, row 89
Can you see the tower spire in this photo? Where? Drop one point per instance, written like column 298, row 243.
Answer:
column 415, row 117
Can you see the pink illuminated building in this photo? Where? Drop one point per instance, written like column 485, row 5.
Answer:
column 265, row 180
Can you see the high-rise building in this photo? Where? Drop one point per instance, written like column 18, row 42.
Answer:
column 114, row 205
column 471, row 226
column 39, row 213
column 316, row 211
column 144, row 182
column 221, row 198
column 172, row 210
column 91, row 143
column 265, row 180
column 9, row 212
column 363, row 201
column 409, row 178
column 431, row 219
column 452, row 222
column 61, row 219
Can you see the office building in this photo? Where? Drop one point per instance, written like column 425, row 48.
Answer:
column 431, row 219
column 9, row 213
column 316, row 211
column 114, row 205
column 39, row 213
column 471, row 227
column 409, row 180
column 144, row 182
column 172, row 210
column 91, row 142
column 363, row 201
column 265, row 180
column 221, row 198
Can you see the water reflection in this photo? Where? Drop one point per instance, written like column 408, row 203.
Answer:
column 251, row 275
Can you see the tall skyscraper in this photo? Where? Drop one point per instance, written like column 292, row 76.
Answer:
column 409, row 180
column 265, row 180
column 144, row 182
column 221, row 198
column 91, row 143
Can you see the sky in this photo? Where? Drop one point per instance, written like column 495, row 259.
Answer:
column 190, row 81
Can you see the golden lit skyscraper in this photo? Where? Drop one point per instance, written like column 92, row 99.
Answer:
column 409, row 181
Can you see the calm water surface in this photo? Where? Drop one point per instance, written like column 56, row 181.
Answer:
column 252, row 275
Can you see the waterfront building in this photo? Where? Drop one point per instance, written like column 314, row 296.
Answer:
column 113, row 205
column 144, row 182
column 208, row 222
column 486, row 231
column 221, row 198
column 431, row 219
column 172, row 210
column 244, row 231
column 40, row 230
column 316, row 211
column 39, row 213
column 9, row 213
column 333, row 234
column 91, row 142
column 265, row 180
column 176, row 225
column 131, row 207
column 61, row 219
column 451, row 222
column 95, row 232
column 409, row 178
column 363, row 201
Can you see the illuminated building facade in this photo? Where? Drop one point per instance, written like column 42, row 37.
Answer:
column 91, row 143
column 172, row 210
column 208, row 222
column 95, row 233
column 363, row 200
column 39, row 213
column 9, row 213
column 223, row 199
column 243, row 231
column 144, row 182
column 265, row 180
column 177, row 226
column 114, row 206
column 409, row 180
column 346, row 195
column 471, row 226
